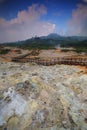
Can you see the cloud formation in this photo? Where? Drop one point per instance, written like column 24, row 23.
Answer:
column 77, row 25
column 85, row 0
column 27, row 24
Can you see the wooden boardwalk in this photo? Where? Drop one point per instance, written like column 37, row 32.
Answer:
column 53, row 61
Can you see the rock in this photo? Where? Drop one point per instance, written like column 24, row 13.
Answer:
column 27, row 82
column 43, row 98
column 1, row 95
column 64, row 122
column 4, row 73
column 86, row 120
column 22, row 85
column 34, row 74
column 8, row 99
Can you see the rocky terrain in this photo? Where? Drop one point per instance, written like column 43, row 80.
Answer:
column 36, row 97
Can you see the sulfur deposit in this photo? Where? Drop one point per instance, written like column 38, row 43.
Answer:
column 36, row 97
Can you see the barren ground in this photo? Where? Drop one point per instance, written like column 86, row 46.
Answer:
column 36, row 97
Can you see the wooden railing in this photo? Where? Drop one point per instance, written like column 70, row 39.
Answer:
column 53, row 61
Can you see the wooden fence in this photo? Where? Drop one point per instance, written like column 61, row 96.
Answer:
column 53, row 61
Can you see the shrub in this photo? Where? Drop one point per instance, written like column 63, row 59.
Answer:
column 4, row 51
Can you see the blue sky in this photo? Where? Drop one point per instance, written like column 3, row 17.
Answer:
column 20, row 19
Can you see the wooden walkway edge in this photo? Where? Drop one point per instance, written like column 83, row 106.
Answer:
column 53, row 61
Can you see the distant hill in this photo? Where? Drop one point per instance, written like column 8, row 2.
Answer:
column 79, row 38
column 53, row 36
column 59, row 37
column 50, row 42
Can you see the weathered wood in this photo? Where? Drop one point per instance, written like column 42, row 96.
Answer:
column 53, row 61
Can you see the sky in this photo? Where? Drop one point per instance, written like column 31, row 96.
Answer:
column 23, row 19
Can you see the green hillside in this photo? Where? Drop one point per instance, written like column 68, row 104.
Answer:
column 51, row 42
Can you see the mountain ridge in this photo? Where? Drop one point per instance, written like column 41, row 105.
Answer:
column 53, row 36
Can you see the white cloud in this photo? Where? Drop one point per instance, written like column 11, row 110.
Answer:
column 85, row 0
column 77, row 25
column 25, row 25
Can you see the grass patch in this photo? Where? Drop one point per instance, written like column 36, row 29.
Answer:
column 4, row 51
